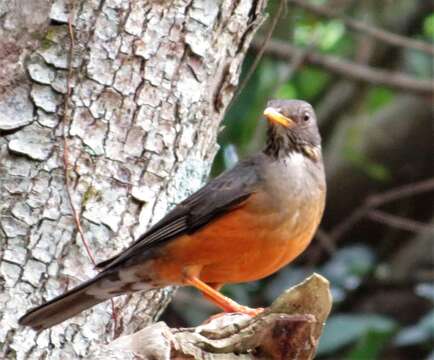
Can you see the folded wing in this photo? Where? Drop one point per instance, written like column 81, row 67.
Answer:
column 222, row 194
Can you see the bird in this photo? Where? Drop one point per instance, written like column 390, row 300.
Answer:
column 243, row 225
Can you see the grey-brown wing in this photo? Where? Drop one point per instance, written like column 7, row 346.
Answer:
column 220, row 195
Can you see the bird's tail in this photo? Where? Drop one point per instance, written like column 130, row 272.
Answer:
column 102, row 287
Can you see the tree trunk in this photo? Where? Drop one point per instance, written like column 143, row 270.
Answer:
column 150, row 84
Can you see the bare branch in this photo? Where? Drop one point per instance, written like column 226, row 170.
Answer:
column 285, row 51
column 261, row 50
column 398, row 222
column 373, row 201
column 292, row 67
column 289, row 329
column 401, row 192
column 368, row 29
column 326, row 241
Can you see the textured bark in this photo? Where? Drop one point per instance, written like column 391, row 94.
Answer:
column 151, row 83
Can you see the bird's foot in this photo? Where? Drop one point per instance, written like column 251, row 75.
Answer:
column 223, row 302
column 246, row 310
column 239, row 310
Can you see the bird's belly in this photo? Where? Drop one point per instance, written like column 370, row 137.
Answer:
column 260, row 254
column 238, row 247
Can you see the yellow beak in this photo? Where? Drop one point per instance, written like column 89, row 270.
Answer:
column 275, row 117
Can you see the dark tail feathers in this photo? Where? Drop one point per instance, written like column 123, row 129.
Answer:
column 102, row 287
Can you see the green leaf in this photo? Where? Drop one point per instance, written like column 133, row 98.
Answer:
column 310, row 82
column 370, row 345
column 326, row 34
column 346, row 269
column 303, row 34
column 420, row 333
column 331, row 32
column 377, row 98
column 426, row 290
column 374, row 170
column 377, row 172
column 418, row 63
column 349, row 265
column 287, row 91
column 342, row 330
column 428, row 27
column 411, row 335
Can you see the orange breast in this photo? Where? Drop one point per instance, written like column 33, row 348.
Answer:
column 243, row 245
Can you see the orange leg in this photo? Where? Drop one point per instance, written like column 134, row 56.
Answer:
column 223, row 302
column 214, row 286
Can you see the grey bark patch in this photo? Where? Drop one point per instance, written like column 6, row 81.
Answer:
column 92, row 131
column 55, row 55
column 106, row 210
column 23, row 212
column 45, row 98
column 16, row 109
column 60, row 82
column 27, row 15
column 33, row 141
column 34, row 271
column 15, row 254
column 100, row 68
column 12, row 226
column 47, row 120
column 59, row 11
column 27, row 147
column 40, row 71
column 54, row 48
column 10, row 272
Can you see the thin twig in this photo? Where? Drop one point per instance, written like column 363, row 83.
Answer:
column 401, row 192
column 293, row 66
column 65, row 122
column 286, row 75
column 344, row 226
column 398, row 222
column 368, row 29
column 377, row 200
column 285, row 51
column 261, row 50
column 65, row 140
column 326, row 241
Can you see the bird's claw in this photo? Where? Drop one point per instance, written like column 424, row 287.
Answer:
column 238, row 310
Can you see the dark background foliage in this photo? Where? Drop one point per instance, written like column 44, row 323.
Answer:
column 374, row 104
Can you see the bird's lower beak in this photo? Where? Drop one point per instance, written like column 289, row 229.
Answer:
column 276, row 117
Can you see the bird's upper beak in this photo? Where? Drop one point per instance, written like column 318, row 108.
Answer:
column 276, row 117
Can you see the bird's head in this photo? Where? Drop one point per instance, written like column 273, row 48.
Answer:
column 292, row 127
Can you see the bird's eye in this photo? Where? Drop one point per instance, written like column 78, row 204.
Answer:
column 306, row 117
